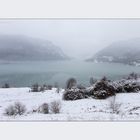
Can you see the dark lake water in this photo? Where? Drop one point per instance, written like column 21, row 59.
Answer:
column 22, row 74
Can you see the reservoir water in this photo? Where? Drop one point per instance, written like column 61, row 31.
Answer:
column 22, row 74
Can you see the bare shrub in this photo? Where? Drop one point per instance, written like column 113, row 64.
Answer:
column 71, row 83
column 6, row 85
column 49, row 87
column 55, row 107
column 58, row 90
column 16, row 109
column 20, row 108
column 35, row 88
column 42, row 89
column 115, row 107
column 57, row 87
column 10, row 110
column 44, row 108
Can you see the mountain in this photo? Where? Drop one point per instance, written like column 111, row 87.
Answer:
column 23, row 48
column 126, row 52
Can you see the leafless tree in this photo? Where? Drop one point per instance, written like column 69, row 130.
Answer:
column 55, row 107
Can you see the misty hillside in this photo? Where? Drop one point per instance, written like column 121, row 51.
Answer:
column 22, row 48
column 126, row 52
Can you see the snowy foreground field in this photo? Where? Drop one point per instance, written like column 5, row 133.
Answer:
column 124, row 106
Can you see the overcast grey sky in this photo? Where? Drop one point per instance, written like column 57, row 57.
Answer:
column 77, row 38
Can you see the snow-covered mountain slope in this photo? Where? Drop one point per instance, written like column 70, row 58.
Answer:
column 22, row 48
column 126, row 52
column 124, row 106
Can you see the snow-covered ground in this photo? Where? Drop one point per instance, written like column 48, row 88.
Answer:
column 124, row 106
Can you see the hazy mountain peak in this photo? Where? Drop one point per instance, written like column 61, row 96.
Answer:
column 126, row 51
column 19, row 48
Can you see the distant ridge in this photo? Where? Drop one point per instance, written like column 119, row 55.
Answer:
column 23, row 48
column 126, row 52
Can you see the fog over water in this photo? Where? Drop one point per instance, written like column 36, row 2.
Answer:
column 78, row 38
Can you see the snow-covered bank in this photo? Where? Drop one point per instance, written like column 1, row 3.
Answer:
column 124, row 106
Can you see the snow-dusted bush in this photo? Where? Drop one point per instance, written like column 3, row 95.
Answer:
column 126, row 86
column 102, row 90
column 120, row 89
column 16, row 109
column 132, row 76
column 44, row 108
column 131, row 87
column 73, row 95
column 100, row 94
column 71, row 83
column 55, row 107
